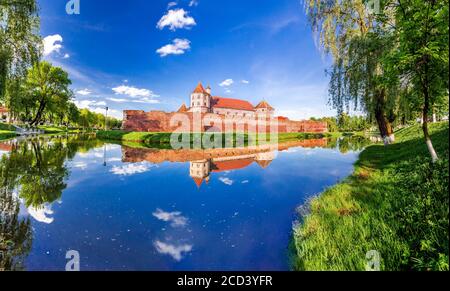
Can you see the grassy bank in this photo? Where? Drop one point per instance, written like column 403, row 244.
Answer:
column 164, row 138
column 396, row 203
column 6, row 131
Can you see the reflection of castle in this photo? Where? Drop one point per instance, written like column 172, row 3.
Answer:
column 212, row 113
column 207, row 161
column 201, row 170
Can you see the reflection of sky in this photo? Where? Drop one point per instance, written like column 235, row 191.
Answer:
column 124, row 216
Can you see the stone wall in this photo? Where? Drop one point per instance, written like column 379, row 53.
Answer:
column 159, row 121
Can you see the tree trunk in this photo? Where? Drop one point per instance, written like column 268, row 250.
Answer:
column 385, row 127
column 426, row 133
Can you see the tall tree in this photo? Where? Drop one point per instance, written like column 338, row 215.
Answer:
column 350, row 32
column 48, row 87
column 422, row 57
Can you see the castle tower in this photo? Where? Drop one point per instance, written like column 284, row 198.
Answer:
column 199, row 171
column 201, row 100
column 264, row 110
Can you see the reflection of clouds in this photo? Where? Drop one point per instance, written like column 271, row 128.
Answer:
column 175, row 218
column 131, row 169
column 113, row 160
column 80, row 165
column 176, row 252
column 41, row 214
column 226, row 181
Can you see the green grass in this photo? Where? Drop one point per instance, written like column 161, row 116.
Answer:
column 58, row 129
column 396, row 202
column 4, row 134
column 6, row 127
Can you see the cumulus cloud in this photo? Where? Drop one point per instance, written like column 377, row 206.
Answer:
column 176, row 19
column 133, row 91
column 227, row 83
column 84, row 92
column 175, row 218
column 137, row 95
column 226, row 181
column 177, row 47
column 52, row 43
column 176, row 252
column 131, row 169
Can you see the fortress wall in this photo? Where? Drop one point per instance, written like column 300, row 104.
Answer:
column 159, row 121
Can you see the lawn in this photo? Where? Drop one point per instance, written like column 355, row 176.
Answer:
column 396, row 203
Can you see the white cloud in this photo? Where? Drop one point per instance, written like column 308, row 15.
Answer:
column 176, row 19
column 88, row 104
column 227, row 83
column 133, row 91
column 226, row 181
column 177, row 47
column 245, row 82
column 66, row 56
column 171, row 4
column 119, row 100
column 52, row 44
column 193, row 3
column 175, row 218
column 84, row 92
column 245, row 182
column 176, row 252
column 131, row 169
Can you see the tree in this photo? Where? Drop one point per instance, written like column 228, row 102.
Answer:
column 422, row 56
column 357, row 41
column 48, row 88
column 19, row 39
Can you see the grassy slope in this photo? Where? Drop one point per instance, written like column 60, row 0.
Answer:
column 396, row 203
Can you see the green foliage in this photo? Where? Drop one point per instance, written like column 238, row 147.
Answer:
column 19, row 39
column 396, row 203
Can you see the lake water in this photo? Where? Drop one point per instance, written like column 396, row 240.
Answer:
column 125, row 208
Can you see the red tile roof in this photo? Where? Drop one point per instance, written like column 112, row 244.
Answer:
column 264, row 104
column 198, row 182
column 220, row 102
column 183, row 109
column 231, row 165
column 199, row 89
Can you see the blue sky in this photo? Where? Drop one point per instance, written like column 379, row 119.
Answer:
column 149, row 55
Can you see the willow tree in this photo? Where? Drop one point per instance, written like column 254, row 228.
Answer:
column 422, row 57
column 20, row 42
column 357, row 41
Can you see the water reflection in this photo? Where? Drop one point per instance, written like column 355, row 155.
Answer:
column 151, row 205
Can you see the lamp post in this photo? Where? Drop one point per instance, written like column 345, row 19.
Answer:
column 106, row 118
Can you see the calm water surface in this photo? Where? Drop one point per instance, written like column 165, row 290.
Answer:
column 125, row 208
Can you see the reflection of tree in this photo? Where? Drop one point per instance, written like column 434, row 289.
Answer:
column 353, row 143
column 349, row 143
column 36, row 171
column 15, row 233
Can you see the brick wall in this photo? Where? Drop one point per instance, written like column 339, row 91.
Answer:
column 159, row 121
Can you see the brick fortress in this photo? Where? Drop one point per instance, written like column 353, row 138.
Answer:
column 217, row 114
